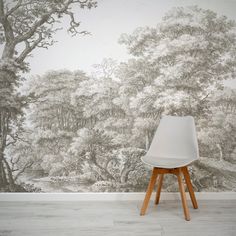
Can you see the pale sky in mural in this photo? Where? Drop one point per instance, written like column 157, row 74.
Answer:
column 106, row 23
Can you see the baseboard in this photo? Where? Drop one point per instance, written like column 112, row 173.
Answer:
column 109, row 196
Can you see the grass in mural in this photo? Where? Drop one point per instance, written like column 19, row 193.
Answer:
column 68, row 131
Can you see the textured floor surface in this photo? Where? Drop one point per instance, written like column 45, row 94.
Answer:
column 213, row 218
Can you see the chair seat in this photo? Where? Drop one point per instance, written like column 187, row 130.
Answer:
column 168, row 163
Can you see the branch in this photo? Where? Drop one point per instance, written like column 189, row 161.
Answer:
column 205, row 97
column 1, row 10
column 29, row 48
column 8, row 31
column 23, row 28
column 74, row 25
column 19, row 4
column 14, row 140
column 41, row 21
column 59, row 11
column 27, row 165
column 13, row 163
column 9, row 47
column 33, row 29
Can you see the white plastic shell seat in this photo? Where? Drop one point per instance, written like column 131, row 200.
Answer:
column 174, row 144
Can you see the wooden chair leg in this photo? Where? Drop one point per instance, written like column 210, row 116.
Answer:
column 149, row 191
column 159, row 185
column 183, row 196
column 190, row 186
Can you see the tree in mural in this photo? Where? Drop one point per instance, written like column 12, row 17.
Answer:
column 135, row 75
column 217, row 144
column 24, row 26
column 94, row 146
column 52, row 117
column 98, row 100
column 194, row 50
column 217, row 135
column 23, row 154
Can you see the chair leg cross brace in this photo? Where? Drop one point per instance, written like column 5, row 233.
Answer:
column 178, row 172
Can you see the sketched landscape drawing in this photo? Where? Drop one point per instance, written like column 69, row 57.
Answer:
column 74, row 131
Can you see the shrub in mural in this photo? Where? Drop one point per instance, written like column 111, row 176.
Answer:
column 73, row 132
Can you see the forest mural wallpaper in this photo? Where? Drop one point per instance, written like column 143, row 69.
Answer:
column 83, row 85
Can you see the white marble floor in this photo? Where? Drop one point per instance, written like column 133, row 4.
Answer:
column 213, row 218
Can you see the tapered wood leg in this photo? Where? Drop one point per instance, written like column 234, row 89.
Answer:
column 149, row 191
column 190, row 186
column 183, row 196
column 159, row 185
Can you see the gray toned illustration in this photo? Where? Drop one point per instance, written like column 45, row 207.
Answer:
column 80, row 122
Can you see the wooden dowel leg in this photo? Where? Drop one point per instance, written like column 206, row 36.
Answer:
column 190, row 186
column 183, row 196
column 159, row 185
column 149, row 191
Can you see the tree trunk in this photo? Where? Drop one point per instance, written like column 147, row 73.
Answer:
column 3, row 179
column 10, row 177
column 220, row 150
column 7, row 81
column 147, row 141
column 3, row 135
column 125, row 174
column 104, row 173
column 1, row 176
column 4, row 175
column 108, row 162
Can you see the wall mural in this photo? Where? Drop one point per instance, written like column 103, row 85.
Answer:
column 74, row 131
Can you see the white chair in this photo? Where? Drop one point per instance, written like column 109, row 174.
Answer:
column 174, row 146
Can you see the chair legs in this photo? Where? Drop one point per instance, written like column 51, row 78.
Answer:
column 159, row 185
column 149, row 191
column 183, row 196
column 178, row 172
column 190, row 187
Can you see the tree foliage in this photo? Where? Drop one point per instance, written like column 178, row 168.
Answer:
column 96, row 127
column 194, row 50
column 24, row 26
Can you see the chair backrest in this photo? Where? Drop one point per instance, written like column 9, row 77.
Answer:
column 175, row 138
